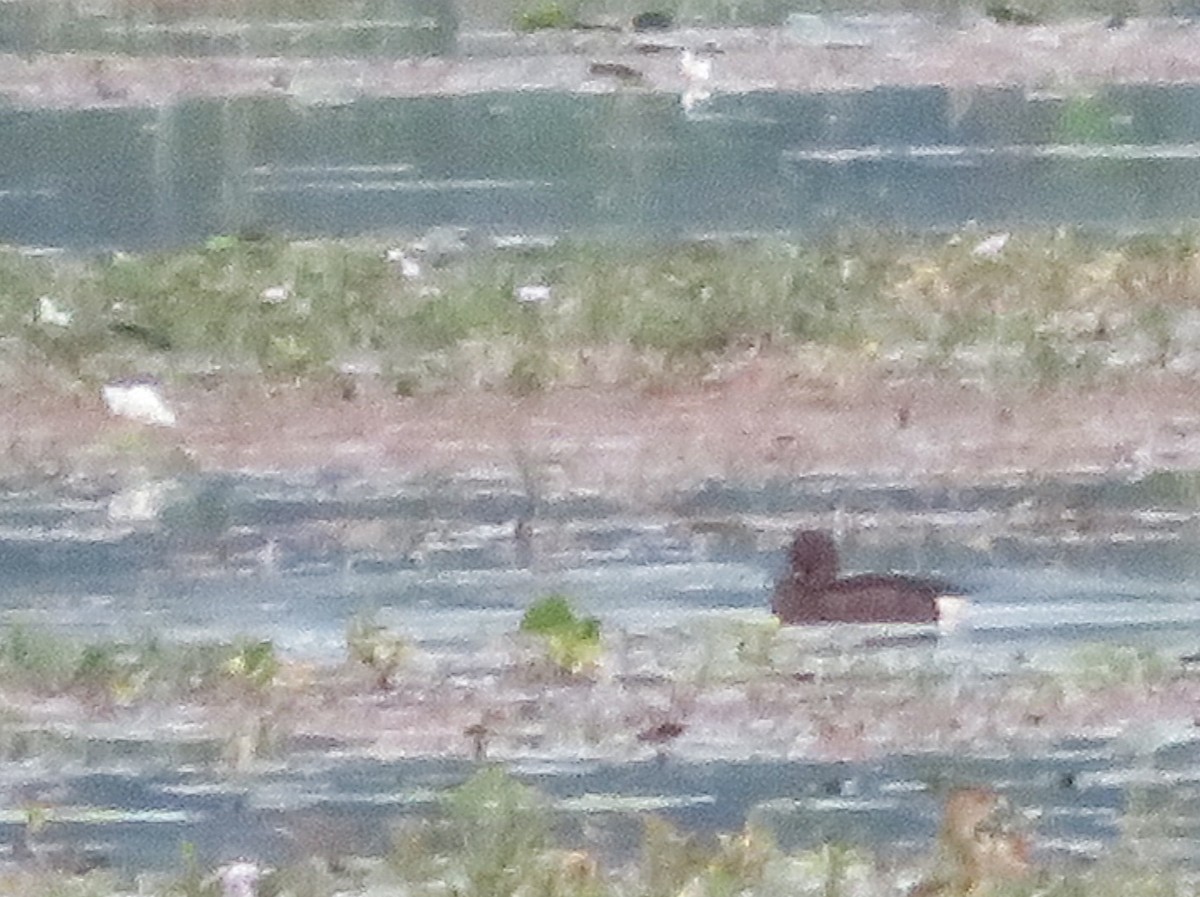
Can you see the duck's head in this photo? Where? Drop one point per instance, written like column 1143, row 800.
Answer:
column 813, row 558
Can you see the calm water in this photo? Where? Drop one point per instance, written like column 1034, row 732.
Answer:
column 1052, row 566
column 329, row 162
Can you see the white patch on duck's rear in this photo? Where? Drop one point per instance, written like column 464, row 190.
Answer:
column 953, row 612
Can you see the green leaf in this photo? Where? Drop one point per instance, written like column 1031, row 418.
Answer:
column 549, row 615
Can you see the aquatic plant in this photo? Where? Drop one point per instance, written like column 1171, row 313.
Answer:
column 733, row 651
column 533, row 371
column 674, row 862
column 173, row 671
column 980, row 849
column 34, row 657
column 541, row 15
column 376, row 647
column 669, row 858
column 107, row 672
column 59, row 883
column 756, row 643
column 493, row 838
column 1087, row 118
column 1099, row 666
column 1171, row 488
column 500, row 826
column 252, row 665
column 572, row 644
column 1005, row 13
column 833, row 870
column 193, row 880
column 199, row 517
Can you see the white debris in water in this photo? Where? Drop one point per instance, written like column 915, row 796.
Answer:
column 693, row 67
column 532, row 294
column 696, row 71
column 41, row 252
column 138, row 400
column 842, row 31
column 693, row 97
column 276, row 295
column 443, row 243
column 1145, row 737
column 524, row 241
column 48, row 312
column 310, row 86
column 991, row 247
column 629, row 803
column 141, row 503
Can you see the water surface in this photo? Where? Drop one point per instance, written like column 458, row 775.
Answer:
column 1052, row 566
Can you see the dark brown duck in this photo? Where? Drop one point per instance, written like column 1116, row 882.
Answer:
column 812, row 592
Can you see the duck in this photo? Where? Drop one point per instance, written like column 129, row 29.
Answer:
column 812, row 592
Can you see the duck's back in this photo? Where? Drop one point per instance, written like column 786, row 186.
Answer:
column 880, row 598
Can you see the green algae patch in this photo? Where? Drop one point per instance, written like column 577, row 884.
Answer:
column 572, row 643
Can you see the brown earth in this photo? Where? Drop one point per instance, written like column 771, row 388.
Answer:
column 763, row 419
column 1069, row 56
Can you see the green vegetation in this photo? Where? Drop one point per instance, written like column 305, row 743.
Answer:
column 61, row 884
column 499, row 826
column 376, row 647
column 1049, row 308
column 540, row 15
column 494, row 839
column 494, row 836
column 735, row 651
column 1171, row 488
column 32, row 657
column 122, row 673
column 405, row 28
column 252, row 666
column 1108, row 666
column 192, row 880
column 774, row 12
column 572, row 644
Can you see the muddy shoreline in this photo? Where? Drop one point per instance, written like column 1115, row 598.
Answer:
column 764, row 419
column 1067, row 56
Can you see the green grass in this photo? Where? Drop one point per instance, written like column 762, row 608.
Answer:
column 494, row 840
column 539, row 15
column 120, row 672
column 1100, row 666
column 774, row 12
column 494, row 837
column 1054, row 308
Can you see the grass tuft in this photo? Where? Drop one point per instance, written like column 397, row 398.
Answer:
column 571, row 643
column 1050, row 308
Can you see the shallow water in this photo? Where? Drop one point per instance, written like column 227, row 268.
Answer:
column 330, row 162
column 1051, row 566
